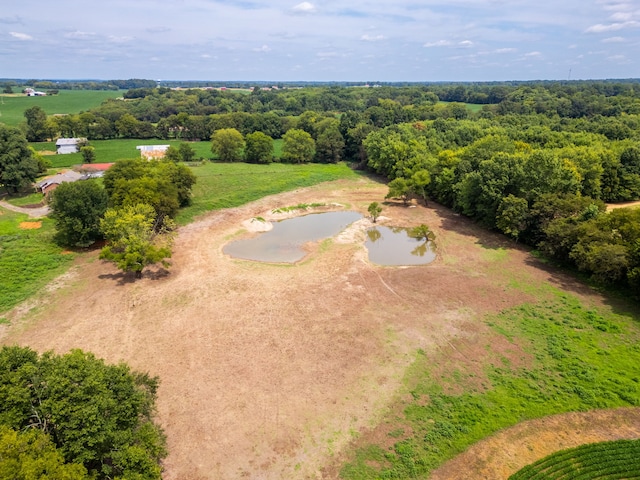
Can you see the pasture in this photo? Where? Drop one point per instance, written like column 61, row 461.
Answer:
column 12, row 106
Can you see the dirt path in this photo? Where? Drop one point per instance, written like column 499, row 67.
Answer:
column 506, row 452
column 32, row 212
column 269, row 371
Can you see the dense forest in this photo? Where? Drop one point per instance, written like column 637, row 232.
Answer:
column 536, row 161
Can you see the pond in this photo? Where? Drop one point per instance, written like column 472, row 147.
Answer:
column 284, row 243
column 394, row 246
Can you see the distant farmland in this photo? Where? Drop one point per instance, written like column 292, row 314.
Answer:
column 12, row 107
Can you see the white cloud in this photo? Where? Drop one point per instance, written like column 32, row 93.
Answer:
column 613, row 40
column 439, row 43
column 506, row 50
column 123, row 39
column 465, row 44
column 304, row 7
column 372, row 38
column 79, row 34
column 263, row 48
column 533, row 54
column 21, row 36
column 612, row 27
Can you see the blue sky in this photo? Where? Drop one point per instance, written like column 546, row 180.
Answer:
column 322, row 40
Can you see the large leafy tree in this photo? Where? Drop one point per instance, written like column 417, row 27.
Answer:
column 37, row 130
column 77, row 208
column 227, row 144
column 164, row 185
column 97, row 415
column 298, row 146
column 18, row 168
column 259, row 148
column 134, row 240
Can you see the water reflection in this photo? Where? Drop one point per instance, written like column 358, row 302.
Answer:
column 396, row 246
column 284, row 243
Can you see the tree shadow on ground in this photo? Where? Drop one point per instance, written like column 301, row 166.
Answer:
column 127, row 278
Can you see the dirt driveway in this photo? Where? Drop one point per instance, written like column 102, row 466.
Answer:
column 268, row 371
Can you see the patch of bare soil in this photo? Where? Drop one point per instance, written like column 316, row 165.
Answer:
column 508, row 451
column 613, row 206
column 269, row 371
column 30, row 225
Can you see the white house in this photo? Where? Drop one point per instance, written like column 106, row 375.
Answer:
column 69, row 145
column 152, row 152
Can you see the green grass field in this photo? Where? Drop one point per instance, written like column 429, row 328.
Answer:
column 606, row 460
column 12, row 107
column 582, row 358
column 28, row 258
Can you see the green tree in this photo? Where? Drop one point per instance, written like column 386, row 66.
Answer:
column 259, row 148
column 227, row 144
column 187, row 153
column 36, row 124
column 513, row 216
column 172, row 154
column 399, row 188
column 374, row 210
column 31, row 455
column 330, row 145
column 133, row 239
column 419, row 182
column 88, row 154
column 77, row 208
column 18, row 168
column 97, row 415
column 298, row 146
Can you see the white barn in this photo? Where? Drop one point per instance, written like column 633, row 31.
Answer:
column 69, row 145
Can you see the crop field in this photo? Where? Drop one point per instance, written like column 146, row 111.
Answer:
column 12, row 107
column 607, row 460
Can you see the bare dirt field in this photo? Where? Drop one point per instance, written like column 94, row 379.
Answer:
column 269, row 371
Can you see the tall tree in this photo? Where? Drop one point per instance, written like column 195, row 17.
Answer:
column 298, row 146
column 133, row 241
column 77, row 208
column 227, row 144
column 36, row 124
column 18, row 168
column 259, row 148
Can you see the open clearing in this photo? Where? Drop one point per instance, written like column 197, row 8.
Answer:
column 269, row 371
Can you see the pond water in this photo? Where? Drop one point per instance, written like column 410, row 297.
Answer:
column 394, row 246
column 284, row 243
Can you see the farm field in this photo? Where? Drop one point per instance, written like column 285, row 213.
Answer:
column 12, row 107
column 335, row 367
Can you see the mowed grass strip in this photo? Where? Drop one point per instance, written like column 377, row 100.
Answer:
column 13, row 106
column 28, row 258
column 617, row 459
column 582, row 359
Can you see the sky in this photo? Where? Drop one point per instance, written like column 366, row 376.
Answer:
column 321, row 40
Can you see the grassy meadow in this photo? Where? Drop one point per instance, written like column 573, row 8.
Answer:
column 28, row 258
column 12, row 107
column 582, row 358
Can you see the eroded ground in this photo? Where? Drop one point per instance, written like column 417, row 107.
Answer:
column 268, row 371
